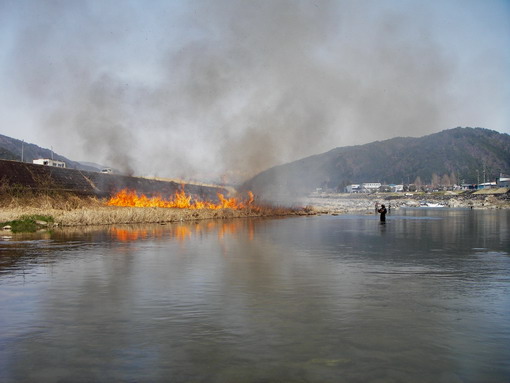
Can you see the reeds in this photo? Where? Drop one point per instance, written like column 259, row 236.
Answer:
column 71, row 210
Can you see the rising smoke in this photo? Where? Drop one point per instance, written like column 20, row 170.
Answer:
column 228, row 87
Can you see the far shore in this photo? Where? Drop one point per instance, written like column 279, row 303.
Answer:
column 343, row 203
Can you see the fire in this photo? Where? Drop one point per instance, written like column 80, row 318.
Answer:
column 129, row 198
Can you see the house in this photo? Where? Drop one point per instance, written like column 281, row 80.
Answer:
column 486, row 185
column 49, row 162
column 368, row 187
column 354, row 188
column 503, row 181
column 396, row 188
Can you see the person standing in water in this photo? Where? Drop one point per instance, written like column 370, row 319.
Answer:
column 383, row 212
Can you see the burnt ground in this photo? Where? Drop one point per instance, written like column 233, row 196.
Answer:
column 26, row 176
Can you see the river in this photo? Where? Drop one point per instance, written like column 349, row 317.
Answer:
column 422, row 298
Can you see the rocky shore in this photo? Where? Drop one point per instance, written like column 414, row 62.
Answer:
column 329, row 203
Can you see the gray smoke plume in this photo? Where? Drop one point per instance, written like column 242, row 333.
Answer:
column 204, row 88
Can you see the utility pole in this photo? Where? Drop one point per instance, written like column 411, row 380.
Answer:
column 22, row 145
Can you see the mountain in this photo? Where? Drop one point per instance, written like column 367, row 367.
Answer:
column 462, row 154
column 13, row 149
column 8, row 155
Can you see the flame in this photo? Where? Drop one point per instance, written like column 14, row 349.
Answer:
column 129, row 198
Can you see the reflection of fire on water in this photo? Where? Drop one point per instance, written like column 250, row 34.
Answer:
column 227, row 228
column 129, row 198
column 183, row 232
column 125, row 235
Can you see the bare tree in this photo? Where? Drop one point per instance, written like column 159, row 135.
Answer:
column 445, row 180
column 436, row 181
column 418, row 183
column 453, row 178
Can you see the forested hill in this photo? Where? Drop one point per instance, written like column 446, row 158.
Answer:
column 460, row 154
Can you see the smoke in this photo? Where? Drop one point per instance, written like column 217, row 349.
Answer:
column 201, row 89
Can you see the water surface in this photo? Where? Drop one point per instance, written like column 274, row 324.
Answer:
column 423, row 298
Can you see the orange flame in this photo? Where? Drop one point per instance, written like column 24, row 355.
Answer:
column 129, row 198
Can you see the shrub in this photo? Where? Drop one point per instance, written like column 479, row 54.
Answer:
column 29, row 223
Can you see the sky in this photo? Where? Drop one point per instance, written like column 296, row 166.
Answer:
column 227, row 88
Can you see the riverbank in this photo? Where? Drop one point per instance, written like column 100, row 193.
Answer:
column 342, row 203
column 68, row 209
column 72, row 210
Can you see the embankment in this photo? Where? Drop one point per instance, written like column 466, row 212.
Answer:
column 74, row 197
column 22, row 177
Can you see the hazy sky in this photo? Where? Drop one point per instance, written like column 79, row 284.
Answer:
column 196, row 89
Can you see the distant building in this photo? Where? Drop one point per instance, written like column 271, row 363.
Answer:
column 368, row 187
column 354, row 188
column 49, row 162
column 486, row 185
column 107, row 171
column 503, row 181
column 396, row 188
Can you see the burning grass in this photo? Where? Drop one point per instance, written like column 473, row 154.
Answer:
column 181, row 200
column 68, row 209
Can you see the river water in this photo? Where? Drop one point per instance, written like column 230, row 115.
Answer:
column 423, row 298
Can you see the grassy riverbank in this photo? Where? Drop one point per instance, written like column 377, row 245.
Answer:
column 72, row 210
column 28, row 223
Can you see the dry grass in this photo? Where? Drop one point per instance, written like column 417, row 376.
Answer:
column 73, row 210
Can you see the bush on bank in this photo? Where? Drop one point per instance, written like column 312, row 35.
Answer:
column 28, row 223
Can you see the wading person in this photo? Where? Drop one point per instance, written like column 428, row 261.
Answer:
column 383, row 212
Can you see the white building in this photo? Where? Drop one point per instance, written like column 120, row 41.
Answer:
column 396, row 188
column 370, row 186
column 487, row 185
column 49, row 162
column 503, row 181
column 354, row 188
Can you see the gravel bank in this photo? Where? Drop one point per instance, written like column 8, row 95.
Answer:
column 365, row 204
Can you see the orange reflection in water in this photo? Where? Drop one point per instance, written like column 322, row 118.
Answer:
column 227, row 228
column 183, row 232
column 127, row 235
